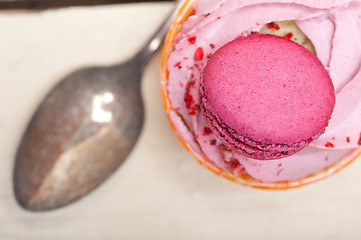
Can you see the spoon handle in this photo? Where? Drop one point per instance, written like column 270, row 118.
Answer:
column 156, row 41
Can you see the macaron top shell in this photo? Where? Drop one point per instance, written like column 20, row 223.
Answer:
column 268, row 89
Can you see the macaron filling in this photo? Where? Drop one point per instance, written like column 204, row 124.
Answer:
column 265, row 96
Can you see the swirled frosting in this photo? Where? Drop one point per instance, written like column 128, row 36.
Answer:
column 334, row 29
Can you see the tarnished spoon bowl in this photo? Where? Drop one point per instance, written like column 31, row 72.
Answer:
column 82, row 131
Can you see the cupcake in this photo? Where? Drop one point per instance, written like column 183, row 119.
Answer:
column 266, row 93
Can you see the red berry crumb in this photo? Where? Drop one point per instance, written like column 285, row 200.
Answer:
column 288, row 35
column 279, row 171
column 188, row 98
column 234, row 164
column 273, row 25
column 198, row 54
column 206, row 131
column 195, row 109
column 359, row 140
column 198, row 67
column 212, row 45
column 192, row 40
column 213, row 142
column 328, row 144
column 178, row 65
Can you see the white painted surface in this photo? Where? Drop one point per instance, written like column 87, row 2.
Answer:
column 160, row 192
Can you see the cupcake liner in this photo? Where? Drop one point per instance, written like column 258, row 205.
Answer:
column 185, row 11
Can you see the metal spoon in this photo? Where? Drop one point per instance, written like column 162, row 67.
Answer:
column 82, row 131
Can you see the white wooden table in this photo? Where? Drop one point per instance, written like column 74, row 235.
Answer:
column 160, row 192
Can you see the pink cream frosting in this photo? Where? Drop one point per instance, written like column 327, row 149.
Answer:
column 334, row 29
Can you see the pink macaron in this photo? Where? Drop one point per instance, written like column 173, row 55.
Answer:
column 266, row 96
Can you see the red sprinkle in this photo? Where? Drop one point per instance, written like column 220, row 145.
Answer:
column 198, row 67
column 198, row 55
column 222, row 150
column 206, row 131
column 348, row 139
column 192, row 40
column 273, row 25
column 195, row 109
column 328, row 144
column 234, row 164
column 213, row 142
column 212, row 45
column 209, row 55
column 288, row 35
column 359, row 140
column 178, row 65
column 279, row 171
column 218, row 18
column 188, row 98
